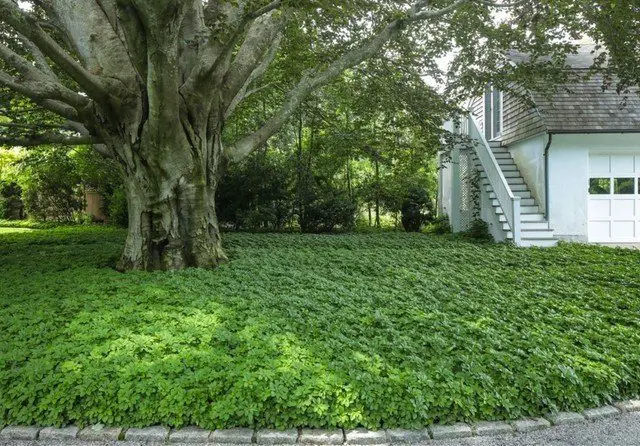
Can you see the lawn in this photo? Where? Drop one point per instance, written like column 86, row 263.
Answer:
column 377, row 330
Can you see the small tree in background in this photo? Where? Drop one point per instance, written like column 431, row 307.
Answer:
column 51, row 185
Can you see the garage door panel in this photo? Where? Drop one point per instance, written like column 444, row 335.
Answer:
column 599, row 231
column 623, row 230
column 623, row 209
column 622, row 164
column 600, row 165
column 600, row 208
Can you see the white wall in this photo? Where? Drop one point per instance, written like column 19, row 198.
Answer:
column 444, row 188
column 569, row 177
column 529, row 157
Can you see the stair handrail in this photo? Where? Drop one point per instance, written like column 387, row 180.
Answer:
column 509, row 202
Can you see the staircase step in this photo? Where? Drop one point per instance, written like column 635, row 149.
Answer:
column 511, row 173
column 495, row 144
column 505, row 164
column 524, row 218
column 523, row 202
column 502, row 155
column 507, row 174
column 518, row 188
column 524, row 194
column 515, row 183
column 509, row 168
column 524, row 210
column 529, row 226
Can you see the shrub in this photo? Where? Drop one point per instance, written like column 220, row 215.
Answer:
column 439, row 226
column 256, row 194
column 11, row 205
column 327, row 214
column 479, row 230
column 51, row 185
column 117, row 208
column 416, row 209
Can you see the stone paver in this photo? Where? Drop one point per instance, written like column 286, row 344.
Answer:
column 628, row 406
column 600, row 412
column 99, row 432
column 189, row 434
column 232, row 436
column 270, row 436
column 531, row 425
column 622, row 430
column 563, row 418
column 459, row 430
column 365, row 436
column 58, row 433
column 485, row 428
column 407, row 435
column 321, row 436
column 20, row 433
column 147, row 434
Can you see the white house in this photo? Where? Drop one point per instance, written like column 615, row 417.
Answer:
column 566, row 168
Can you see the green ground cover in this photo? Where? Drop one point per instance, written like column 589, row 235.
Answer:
column 378, row 330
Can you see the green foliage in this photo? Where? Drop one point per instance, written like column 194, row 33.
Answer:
column 327, row 213
column 117, row 208
column 31, row 224
column 417, row 208
column 257, row 194
column 439, row 226
column 479, row 230
column 11, row 206
column 50, row 185
column 379, row 330
column 52, row 181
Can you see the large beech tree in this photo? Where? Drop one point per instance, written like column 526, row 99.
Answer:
column 151, row 83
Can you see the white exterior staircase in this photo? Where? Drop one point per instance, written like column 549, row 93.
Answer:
column 534, row 228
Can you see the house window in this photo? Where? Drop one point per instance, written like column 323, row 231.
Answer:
column 623, row 186
column 492, row 113
column 599, row 186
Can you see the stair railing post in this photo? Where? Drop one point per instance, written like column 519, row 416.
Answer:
column 517, row 225
column 456, row 194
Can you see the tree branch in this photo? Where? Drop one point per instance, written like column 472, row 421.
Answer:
column 39, row 58
column 310, row 82
column 251, row 53
column 216, row 57
column 41, row 140
column 26, row 25
column 257, row 73
column 42, row 85
column 265, row 9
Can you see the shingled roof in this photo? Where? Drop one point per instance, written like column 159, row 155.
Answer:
column 584, row 106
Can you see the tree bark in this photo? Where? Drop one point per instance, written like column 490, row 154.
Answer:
column 172, row 216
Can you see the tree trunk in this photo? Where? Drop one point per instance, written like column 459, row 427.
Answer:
column 172, row 216
column 377, row 166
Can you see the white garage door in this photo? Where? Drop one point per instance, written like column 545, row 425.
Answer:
column 614, row 198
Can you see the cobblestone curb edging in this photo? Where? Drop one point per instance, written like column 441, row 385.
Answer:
column 363, row 437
